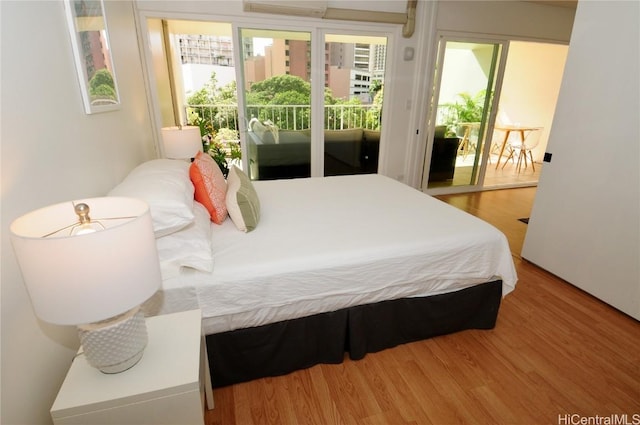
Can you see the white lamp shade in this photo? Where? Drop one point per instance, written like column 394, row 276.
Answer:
column 181, row 142
column 89, row 277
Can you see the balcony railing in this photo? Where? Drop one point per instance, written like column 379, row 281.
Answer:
column 290, row 117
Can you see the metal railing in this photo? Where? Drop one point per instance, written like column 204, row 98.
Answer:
column 290, row 117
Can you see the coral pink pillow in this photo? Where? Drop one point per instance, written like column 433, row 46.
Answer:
column 210, row 186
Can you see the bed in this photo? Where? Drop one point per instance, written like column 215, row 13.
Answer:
column 336, row 266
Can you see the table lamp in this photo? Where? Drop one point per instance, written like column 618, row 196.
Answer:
column 181, row 142
column 92, row 272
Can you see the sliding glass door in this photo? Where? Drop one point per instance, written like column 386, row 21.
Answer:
column 276, row 69
column 354, row 74
column 279, row 103
column 462, row 112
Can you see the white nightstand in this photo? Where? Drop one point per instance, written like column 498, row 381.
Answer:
column 168, row 386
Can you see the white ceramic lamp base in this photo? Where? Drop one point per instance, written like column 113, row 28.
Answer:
column 115, row 345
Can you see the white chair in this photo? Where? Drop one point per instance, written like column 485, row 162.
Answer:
column 522, row 146
column 496, row 142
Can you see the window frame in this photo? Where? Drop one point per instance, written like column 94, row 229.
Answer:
column 318, row 29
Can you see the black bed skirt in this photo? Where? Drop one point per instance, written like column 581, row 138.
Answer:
column 283, row 347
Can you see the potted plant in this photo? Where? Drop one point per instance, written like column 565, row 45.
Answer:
column 223, row 146
column 466, row 108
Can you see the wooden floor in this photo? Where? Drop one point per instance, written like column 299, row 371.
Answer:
column 555, row 352
column 496, row 175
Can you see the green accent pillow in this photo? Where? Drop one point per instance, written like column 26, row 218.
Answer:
column 242, row 200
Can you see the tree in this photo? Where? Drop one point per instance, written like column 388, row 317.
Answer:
column 285, row 90
column 374, row 114
column 101, row 85
column 218, row 125
column 375, row 87
column 349, row 117
column 267, row 90
column 214, row 118
column 288, row 90
column 471, row 107
column 469, row 110
column 228, row 93
column 103, row 91
column 206, row 94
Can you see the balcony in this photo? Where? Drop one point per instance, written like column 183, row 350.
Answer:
column 282, row 146
column 289, row 117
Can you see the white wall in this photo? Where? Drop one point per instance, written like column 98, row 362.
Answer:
column 530, row 87
column 462, row 72
column 52, row 152
column 197, row 75
column 585, row 223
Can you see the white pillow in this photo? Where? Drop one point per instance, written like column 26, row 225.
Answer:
column 166, row 186
column 189, row 247
column 256, row 126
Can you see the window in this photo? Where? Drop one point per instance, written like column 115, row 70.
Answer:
column 270, row 94
column 353, row 116
column 277, row 103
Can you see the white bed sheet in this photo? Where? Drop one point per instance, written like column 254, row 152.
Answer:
column 328, row 243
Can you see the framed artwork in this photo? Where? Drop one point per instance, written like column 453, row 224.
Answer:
column 90, row 42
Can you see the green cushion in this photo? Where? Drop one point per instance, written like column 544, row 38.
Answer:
column 242, row 200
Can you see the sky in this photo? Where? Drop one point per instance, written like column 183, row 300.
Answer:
column 259, row 45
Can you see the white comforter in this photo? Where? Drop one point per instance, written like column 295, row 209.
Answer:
column 334, row 242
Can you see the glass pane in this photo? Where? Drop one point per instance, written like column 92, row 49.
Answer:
column 277, row 89
column 354, row 85
column 468, row 71
column 529, row 92
column 196, row 83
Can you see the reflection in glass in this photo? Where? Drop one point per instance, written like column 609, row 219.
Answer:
column 354, row 85
column 468, row 75
column 91, row 45
column 277, row 68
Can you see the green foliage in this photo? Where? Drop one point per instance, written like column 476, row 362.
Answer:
column 290, row 98
column 468, row 109
column 207, row 94
column 103, row 91
column 215, row 117
column 374, row 114
column 101, row 85
column 225, row 148
column 268, row 91
column 347, row 117
column 219, row 155
column 228, row 93
column 375, row 87
column 280, row 90
column 196, row 120
column 101, row 76
column 222, row 142
column 328, row 97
